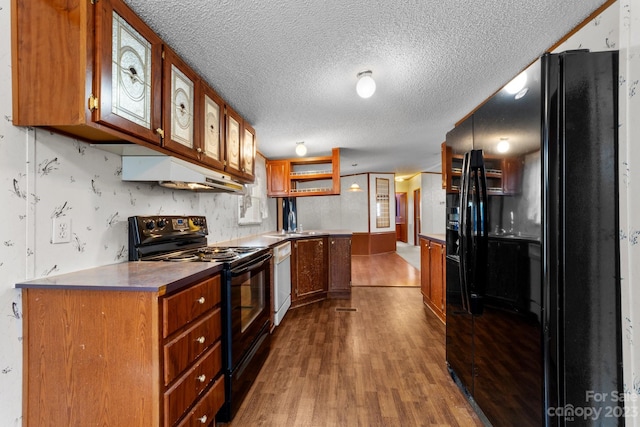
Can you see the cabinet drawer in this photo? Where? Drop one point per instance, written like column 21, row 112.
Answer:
column 182, row 308
column 183, row 350
column 182, row 395
column 205, row 410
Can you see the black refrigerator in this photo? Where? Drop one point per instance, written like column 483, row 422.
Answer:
column 533, row 332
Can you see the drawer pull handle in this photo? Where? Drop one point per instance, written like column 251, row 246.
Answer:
column 202, row 419
column 202, row 378
column 200, row 340
column 201, row 300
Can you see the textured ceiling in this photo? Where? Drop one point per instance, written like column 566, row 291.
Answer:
column 289, row 66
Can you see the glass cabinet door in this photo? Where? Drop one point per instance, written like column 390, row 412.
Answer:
column 181, row 109
column 182, row 93
column 233, row 127
column 128, row 72
column 212, row 151
column 248, row 151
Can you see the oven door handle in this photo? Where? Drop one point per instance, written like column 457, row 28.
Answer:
column 252, row 265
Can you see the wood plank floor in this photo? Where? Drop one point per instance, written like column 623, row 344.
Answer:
column 383, row 270
column 381, row 365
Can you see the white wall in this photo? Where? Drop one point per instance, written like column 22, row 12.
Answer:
column 434, row 207
column 348, row 211
column 629, row 166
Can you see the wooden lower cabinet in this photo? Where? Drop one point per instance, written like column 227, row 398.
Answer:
column 433, row 275
column 308, row 270
column 122, row 358
column 339, row 266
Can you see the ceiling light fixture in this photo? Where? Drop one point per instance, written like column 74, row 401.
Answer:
column 366, row 86
column 301, row 149
column 355, row 187
column 503, row 145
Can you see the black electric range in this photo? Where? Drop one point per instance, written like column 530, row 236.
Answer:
column 181, row 239
column 246, row 303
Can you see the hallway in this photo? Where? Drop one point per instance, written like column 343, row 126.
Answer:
column 380, row 362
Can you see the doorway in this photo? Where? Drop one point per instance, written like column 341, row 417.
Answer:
column 401, row 217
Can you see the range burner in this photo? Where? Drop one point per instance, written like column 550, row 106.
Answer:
column 179, row 239
column 181, row 258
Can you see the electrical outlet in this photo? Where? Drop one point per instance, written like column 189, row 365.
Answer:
column 61, row 230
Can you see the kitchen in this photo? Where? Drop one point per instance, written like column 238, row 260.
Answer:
column 63, row 177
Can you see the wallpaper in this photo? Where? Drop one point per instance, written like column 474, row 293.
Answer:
column 45, row 176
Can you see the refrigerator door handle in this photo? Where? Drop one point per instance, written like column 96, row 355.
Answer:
column 480, row 230
column 464, row 213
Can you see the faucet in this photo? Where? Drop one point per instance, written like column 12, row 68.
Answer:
column 292, row 222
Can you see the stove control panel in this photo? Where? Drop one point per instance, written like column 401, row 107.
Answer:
column 159, row 226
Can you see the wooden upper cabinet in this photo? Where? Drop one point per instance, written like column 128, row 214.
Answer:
column 233, row 131
column 212, row 150
column 304, row 176
column 111, row 85
column 248, row 151
column 89, row 70
column 128, row 77
column 181, row 107
column 278, row 178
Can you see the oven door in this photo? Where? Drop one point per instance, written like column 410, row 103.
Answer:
column 249, row 304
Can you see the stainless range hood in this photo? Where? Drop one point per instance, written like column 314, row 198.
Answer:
column 177, row 174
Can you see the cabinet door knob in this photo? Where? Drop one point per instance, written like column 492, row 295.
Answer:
column 202, row 378
column 201, row 340
column 199, row 150
column 202, row 419
column 201, row 300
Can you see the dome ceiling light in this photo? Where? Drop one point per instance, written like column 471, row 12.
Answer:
column 366, row 86
column 301, row 149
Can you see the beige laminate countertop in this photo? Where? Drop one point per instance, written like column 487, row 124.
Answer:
column 146, row 276
column 435, row 236
column 273, row 238
column 158, row 276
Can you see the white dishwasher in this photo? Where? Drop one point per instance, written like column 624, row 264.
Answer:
column 281, row 281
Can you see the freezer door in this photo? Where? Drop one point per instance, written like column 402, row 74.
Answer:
column 508, row 358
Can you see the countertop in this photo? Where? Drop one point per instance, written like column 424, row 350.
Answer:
column 146, row 276
column 273, row 238
column 435, row 236
column 159, row 276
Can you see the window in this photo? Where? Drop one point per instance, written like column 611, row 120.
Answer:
column 383, row 220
